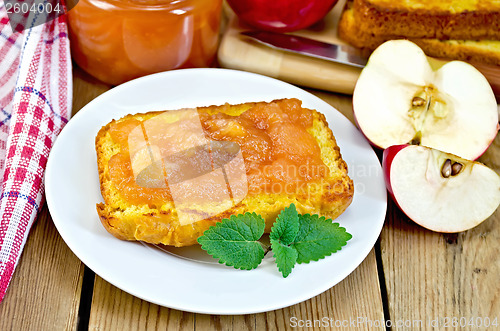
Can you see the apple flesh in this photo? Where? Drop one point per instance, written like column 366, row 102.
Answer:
column 401, row 98
column 440, row 191
column 281, row 15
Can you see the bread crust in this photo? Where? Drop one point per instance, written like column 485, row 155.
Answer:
column 429, row 19
column 160, row 225
column 480, row 51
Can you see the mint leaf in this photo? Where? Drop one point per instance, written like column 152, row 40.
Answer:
column 285, row 256
column 282, row 234
column 234, row 241
column 318, row 237
column 286, row 226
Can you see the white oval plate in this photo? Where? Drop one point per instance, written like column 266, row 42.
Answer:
column 72, row 191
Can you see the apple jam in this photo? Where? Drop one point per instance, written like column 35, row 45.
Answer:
column 119, row 40
column 278, row 151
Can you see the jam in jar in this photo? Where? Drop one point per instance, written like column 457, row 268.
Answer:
column 118, row 40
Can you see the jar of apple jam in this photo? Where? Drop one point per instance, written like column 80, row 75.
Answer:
column 118, row 40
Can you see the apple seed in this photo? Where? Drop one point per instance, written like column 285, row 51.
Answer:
column 418, row 102
column 446, row 169
column 416, row 139
column 455, row 168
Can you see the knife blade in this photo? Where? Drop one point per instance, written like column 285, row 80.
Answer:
column 309, row 47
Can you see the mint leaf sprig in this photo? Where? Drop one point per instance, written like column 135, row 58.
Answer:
column 234, row 241
column 295, row 238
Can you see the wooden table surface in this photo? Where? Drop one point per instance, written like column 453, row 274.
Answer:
column 412, row 279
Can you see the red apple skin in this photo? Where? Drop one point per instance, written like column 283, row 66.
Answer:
column 387, row 158
column 281, row 15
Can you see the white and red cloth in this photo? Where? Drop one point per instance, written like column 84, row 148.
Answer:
column 35, row 104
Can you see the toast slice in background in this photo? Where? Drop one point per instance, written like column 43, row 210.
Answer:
column 364, row 36
column 446, row 19
column 156, row 221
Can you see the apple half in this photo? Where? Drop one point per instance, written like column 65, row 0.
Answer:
column 400, row 97
column 440, row 191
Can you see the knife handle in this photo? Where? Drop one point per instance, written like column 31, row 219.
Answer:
column 317, row 73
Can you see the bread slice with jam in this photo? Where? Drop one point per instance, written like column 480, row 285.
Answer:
column 289, row 155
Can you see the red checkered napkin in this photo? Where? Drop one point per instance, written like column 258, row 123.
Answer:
column 35, row 104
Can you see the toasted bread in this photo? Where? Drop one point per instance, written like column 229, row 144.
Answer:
column 448, row 19
column 359, row 35
column 159, row 223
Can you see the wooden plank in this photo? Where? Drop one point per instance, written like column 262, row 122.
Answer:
column 343, row 103
column 85, row 88
column 114, row 309
column 44, row 293
column 433, row 277
column 227, row 322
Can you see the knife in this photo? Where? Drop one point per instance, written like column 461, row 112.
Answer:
column 305, row 46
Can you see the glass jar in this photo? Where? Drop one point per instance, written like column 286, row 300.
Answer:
column 118, row 40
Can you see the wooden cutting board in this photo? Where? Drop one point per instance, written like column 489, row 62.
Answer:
column 242, row 53
column 239, row 52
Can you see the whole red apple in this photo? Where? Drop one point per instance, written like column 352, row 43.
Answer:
column 281, row 15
